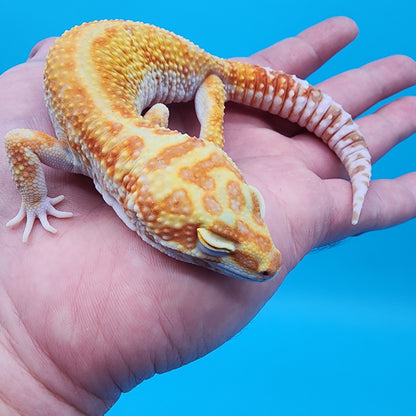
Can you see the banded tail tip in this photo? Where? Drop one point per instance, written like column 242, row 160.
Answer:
column 355, row 215
column 359, row 193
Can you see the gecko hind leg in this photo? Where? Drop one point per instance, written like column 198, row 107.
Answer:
column 158, row 115
column 209, row 106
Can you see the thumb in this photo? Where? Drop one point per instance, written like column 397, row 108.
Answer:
column 41, row 49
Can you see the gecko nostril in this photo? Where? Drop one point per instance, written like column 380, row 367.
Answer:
column 268, row 274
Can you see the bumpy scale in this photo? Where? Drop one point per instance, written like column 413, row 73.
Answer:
column 181, row 194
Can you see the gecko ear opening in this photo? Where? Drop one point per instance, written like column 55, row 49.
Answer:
column 213, row 244
column 260, row 199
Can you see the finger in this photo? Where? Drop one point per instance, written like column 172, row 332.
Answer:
column 388, row 202
column 303, row 54
column 389, row 125
column 23, row 104
column 359, row 89
column 41, row 49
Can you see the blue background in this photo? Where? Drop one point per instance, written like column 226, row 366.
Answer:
column 339, row 337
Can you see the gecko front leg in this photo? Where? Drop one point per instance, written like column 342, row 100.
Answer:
column 26, row 149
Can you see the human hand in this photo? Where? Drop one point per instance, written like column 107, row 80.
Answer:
column 94, row 310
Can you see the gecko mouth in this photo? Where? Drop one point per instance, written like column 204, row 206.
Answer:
column 218, row 266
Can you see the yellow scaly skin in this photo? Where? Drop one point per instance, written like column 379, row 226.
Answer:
column 181, row 194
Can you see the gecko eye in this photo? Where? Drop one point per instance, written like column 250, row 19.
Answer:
column 213, row 244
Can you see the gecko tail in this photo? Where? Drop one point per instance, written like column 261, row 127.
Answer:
column 294, row 99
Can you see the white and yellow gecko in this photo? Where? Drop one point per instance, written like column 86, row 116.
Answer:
column 181, row 194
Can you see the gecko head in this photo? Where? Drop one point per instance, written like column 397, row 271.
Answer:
column 232, row 258
column 237, row 242
column 223, row 231
column 204, row 213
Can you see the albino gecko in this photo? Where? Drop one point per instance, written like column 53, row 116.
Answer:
column 181, row 194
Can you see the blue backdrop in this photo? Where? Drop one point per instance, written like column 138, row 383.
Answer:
column 332, row 341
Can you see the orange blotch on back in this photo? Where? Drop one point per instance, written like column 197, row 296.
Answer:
column 199, row 174
column 94, row 143
column 164, row 132
column 211, row 204
column 99, row 42
column 164, row 158
column 131, row 147
column 112, row 127
column 111, row 32
column 178, row 203
column 145, row 203
column 117, row 73
column 236, row 199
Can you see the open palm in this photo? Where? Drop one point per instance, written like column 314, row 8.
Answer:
column 93, row 310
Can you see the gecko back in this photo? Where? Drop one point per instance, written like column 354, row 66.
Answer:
column 106, row 86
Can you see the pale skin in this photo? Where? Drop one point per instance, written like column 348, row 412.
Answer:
column 93, row 310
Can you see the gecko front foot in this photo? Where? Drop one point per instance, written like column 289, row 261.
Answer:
column 41, row 211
